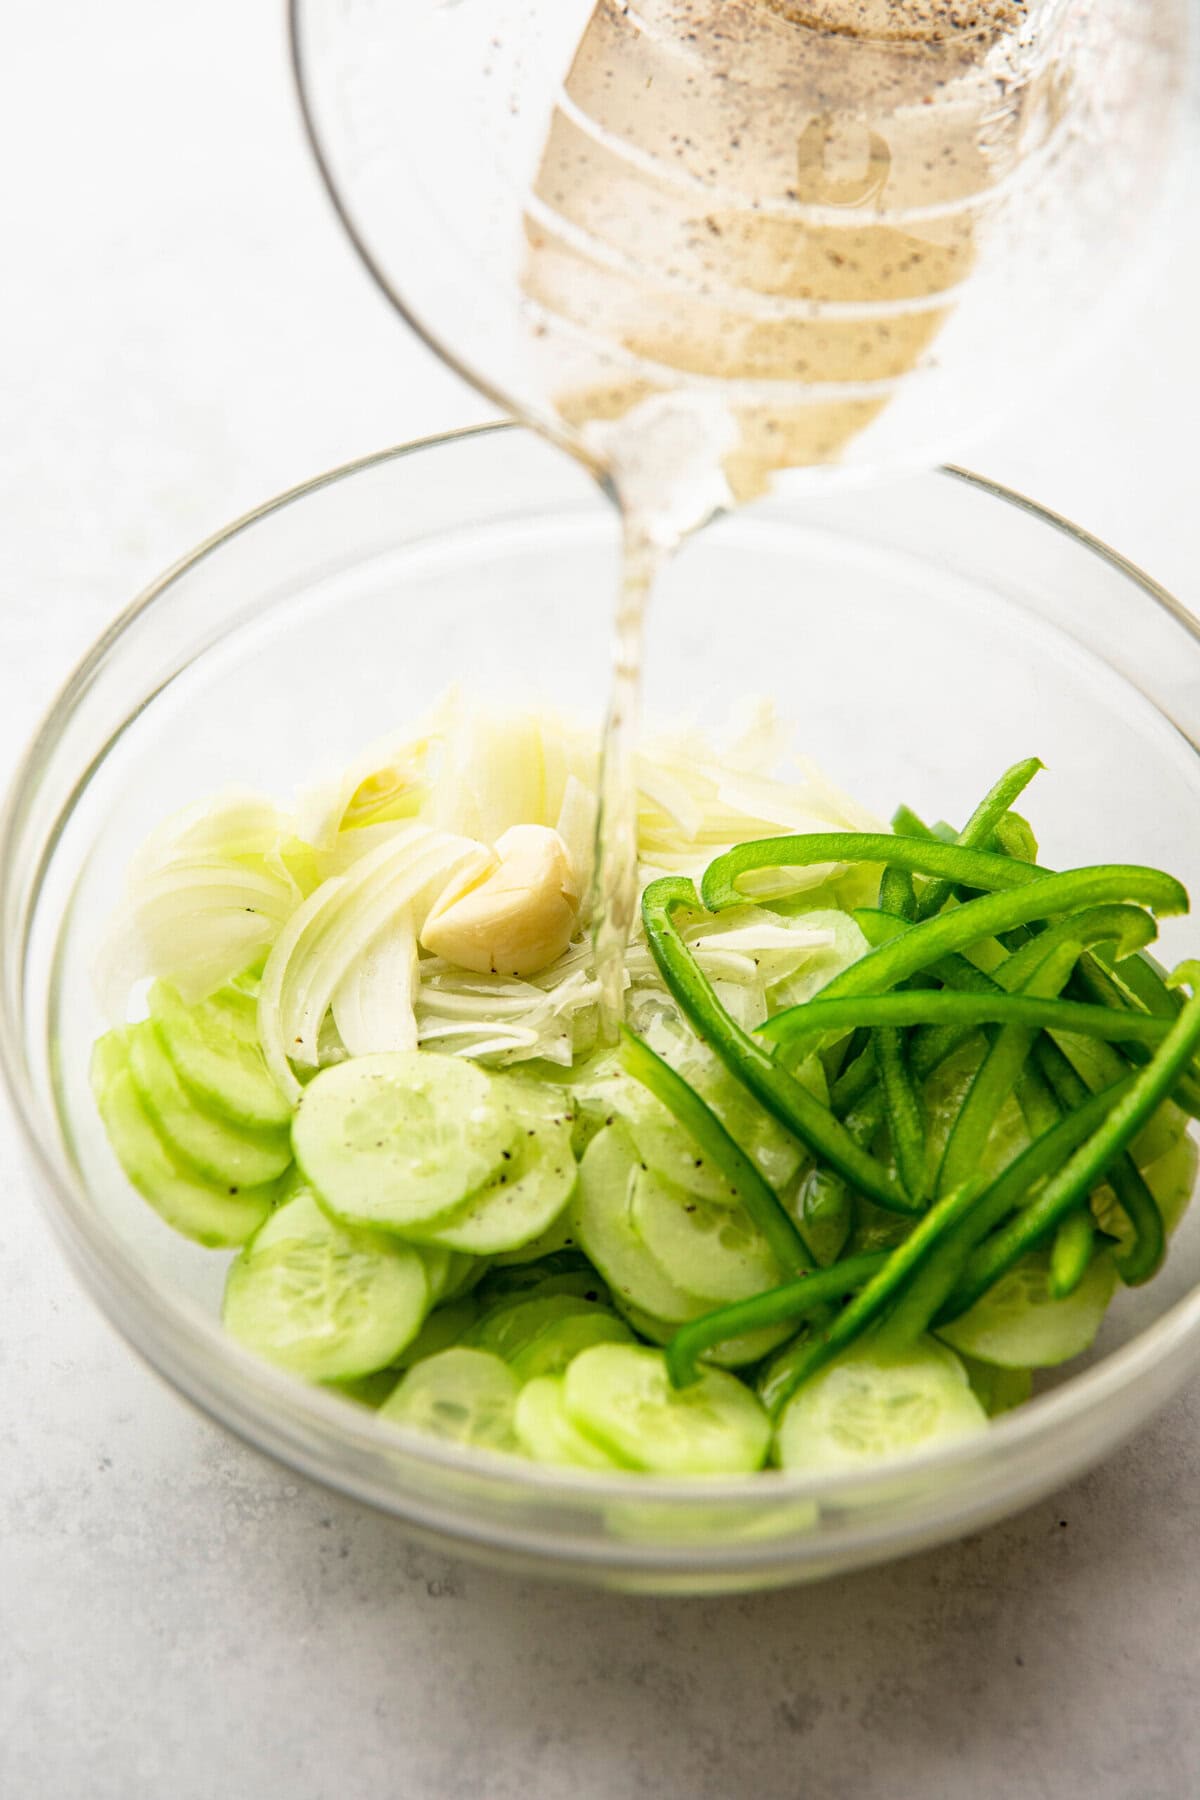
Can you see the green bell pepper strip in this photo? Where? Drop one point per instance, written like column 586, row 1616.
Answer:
column 905, row 1114
column 1146, row 1091
column 754, row 1192
column 974, row 920
column 1039, row 968
column 1071, row 1252
column 794, row 1300
column 980, row 827
column 962, row 1012
column 918, row 856
column 826, row 1203
column 748, row 1060
column 1124, row 1177
column 893, row 1269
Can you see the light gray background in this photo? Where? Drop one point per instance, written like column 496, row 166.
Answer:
column 182, row 333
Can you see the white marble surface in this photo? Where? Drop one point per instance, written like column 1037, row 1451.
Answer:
column 182, row 332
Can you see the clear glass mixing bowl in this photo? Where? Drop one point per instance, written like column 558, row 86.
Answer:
column 923, row 636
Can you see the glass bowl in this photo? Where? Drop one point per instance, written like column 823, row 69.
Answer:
column 922, row 635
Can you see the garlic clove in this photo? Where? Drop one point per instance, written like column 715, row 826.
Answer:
column 513, row 918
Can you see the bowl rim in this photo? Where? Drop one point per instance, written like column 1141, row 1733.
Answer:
column 136, row 1308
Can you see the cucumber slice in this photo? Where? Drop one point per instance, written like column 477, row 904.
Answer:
column 1019, row 1326
column 873, row 1404
column 465, row 1396
column 715, row 1252
column 603, row 1215
column 567, row 1272
column 997, row 1390
column 324, row 1302
column 220, row 1217
column 666, row 1147
column 619, row 1395
column 400, row 1138
column 218, row 1150
column 528, row 1192
column 556, row 1347
column 507, row 1330
column 1172, row 1179
column 214, row 1047
column 559, row 1235
column 366, row 1390
column 546, row 1434
column 446, row 1326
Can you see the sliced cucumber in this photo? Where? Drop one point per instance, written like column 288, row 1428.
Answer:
column 715, row 1252
column 997, row 1390
column 214, row 1047
column 325, row 1302
column 665, row 1146
column 1018, row 1325
column 446, row 1326
column 220, row 1217
column 546, row 1434
column 1172, row 1179
column 559, row 1235
column 621, row 1397
column 507, row 1330
column 603, row 1215
column 528, row 1192
column 556, row 1346
column 400, row 1138
column 873, row 1404
column 217, row 1149
column 464, row 1396
column 366, row 1390
column 566, row 1272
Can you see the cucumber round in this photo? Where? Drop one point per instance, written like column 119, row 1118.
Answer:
column 873, row 1404
column 525, row 1196
column 554, row 1348
column 1018, row 1324
column 546, row 1434
column 620, row 1396
column 400, row 1138
column 665, row 1146
column 507, row 1330
column 997, row 1390
column 222, row 1152
column 559, row 1235
column 446, row 1326
column 214, row 1047
column 607, row 1233
column 567, row 1272
column 713, row 1251
column 219, row 1217
column 465, row 1396
column 325, row 1302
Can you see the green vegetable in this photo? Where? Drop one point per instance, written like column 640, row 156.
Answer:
column 981, row 826
column 401, row 1139
column 771, row 1085
column 619, row 1396
column 464, row 1396
column 322, row 1301
column 218, row 1216
column 875, row 1403
column 743, row 1177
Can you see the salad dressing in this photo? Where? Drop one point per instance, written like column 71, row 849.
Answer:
column 749, row 226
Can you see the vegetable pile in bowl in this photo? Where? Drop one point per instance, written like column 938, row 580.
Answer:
column 892, row 1117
